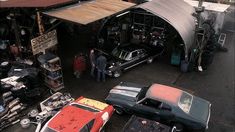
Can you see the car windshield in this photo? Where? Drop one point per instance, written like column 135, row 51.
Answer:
column 120, row 53
column 185, row 102
column 85, row 108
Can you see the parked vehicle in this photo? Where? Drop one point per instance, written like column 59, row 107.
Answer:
column 125, row 57
column 84, row 115
column 161, row 103
column 140, row 124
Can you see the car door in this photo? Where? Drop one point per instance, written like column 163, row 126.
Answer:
column 165, row 112
column 146, row 111
column 162, row 111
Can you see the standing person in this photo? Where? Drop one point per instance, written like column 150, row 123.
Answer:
column 79, row 65
column 92, row 61
column 101, row 66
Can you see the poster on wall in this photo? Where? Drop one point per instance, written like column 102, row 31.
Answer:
column 43, row 42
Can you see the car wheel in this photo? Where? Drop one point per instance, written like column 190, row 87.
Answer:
column 178, row 127
column 117, row 73
column 150, row 60
column 119, row 110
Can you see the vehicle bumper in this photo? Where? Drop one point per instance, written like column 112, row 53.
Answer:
column 208, row 116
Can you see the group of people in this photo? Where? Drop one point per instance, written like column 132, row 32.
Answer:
column 98, row 62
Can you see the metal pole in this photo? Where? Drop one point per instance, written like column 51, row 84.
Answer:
column 16, row 32
column 40, row 25
column 200, row 3
column 199, row 10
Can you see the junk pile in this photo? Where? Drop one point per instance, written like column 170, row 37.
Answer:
column 10, row 109
column 48, row 108
column 19, row 87
column 23, row 81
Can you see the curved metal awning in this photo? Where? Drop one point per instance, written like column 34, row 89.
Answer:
column 177, row 13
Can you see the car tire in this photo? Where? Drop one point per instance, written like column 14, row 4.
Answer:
column 178, row 127
column 117, row 73
column 119, row 110
column 149, row 60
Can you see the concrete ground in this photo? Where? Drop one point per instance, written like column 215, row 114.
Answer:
column 216, row 84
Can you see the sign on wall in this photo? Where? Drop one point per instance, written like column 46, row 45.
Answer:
column 43, row 42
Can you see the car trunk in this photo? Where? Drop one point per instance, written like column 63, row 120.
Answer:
column 200, row 110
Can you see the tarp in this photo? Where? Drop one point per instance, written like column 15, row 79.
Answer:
column 88, row 12
column 31, row 3
column 178, row 14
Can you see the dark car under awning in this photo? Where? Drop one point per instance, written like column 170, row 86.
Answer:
column 88, row 12
column 178, row 14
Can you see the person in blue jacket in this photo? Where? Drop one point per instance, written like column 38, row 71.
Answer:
column 101, row 63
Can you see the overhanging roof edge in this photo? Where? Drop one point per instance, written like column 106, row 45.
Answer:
column 179, row 17
column 89, row 13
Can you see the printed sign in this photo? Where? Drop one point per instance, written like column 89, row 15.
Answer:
column 43, row 42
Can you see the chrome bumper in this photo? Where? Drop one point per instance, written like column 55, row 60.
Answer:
column 208, row 117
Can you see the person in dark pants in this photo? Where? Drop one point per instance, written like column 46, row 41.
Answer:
column 92, row 61
column 101, row 65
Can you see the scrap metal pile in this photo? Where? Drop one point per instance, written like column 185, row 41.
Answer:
column 48, row 108
column 19, row 87
column 10, row 110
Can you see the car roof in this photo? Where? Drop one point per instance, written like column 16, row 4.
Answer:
column 71, row 119
column 164, row 93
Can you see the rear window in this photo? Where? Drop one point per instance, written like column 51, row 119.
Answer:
column 185, row 102
column 85, row 108
column 142, row 93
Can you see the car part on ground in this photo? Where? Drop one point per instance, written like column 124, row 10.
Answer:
column 33, row 113
column 11, row 110
column 49, row 107
column 56, row 101
column 26, row 88
column 25, row 123
column 36, row 118
column 161, row 103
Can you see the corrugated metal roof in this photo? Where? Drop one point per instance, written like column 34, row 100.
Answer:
column 90, row 11
column 177, row 13
column 31, row 3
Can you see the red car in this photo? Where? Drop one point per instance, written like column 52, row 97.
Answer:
column 84, row 115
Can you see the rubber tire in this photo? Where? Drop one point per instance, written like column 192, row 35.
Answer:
column 150, row 60
column 119, row 110
column 117, row 73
